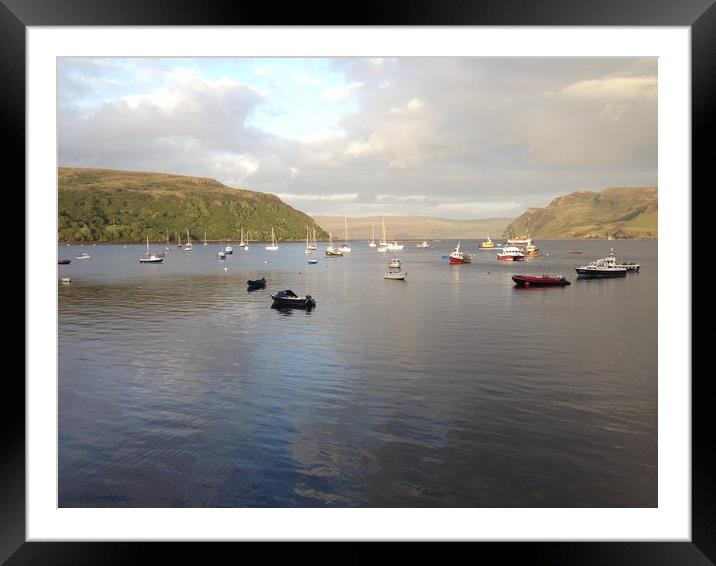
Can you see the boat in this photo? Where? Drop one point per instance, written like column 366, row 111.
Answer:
column 511, row 253
column 487, row 244
column 178, row 240
column 395, row 262
column 397, row 275
column 346, row 247
column 63, row 261
column 313, row 246
column 458, row 257
column 330, row 250
column 221, row 254
column 395, row 246
column 274, row 245
column 308, row 249
column 423, row 244
column 228, row 249
column 243, row 245
column 371, row 244
column 84, row 255
column 187, row 247
column 540, row 281
column 532, row 250
column 383, row 244
column 204, row 237
column 312, row 261
column 151, row 258
column 166, row 248
column 604, row 267
column 256, row 283
column 519, row 241
column 576, row 252
column 288, row 298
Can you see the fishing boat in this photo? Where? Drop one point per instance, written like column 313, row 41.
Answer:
column 511, row 253
column 487, row 244
column 540, row 280
column 288, row 298
column 423, row 244
column 628, row 265
column 458, row 257
column 531, row 250
column 371, row 244
column 63, row 261
column 84, row 255
column 150, row 258
column 274, row 245
column 600, row 268
column 330, row 250
column 256, row 283
column 188, row 247
column 346, row 247
column 519, row 241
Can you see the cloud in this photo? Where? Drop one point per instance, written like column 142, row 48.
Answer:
column 458, row 136
column 341, row 93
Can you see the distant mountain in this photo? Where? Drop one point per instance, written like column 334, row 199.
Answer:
column 615, row 212
column 102, row 205
column 412, row 227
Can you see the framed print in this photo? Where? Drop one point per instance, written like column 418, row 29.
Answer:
column 207, row 364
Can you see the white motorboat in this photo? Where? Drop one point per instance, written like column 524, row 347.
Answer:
column 511, row 253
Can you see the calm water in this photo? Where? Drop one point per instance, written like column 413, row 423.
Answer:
column 177, row 387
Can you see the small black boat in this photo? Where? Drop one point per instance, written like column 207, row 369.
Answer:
column 288, row 298
column 256, row 283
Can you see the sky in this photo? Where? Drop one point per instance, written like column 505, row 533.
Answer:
column 454, row 137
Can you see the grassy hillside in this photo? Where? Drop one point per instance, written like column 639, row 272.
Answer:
column 616, row 212
column 413, row 227
column 102, row 205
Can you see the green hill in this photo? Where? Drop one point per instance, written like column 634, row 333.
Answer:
column 102, row 205
column 616, row 212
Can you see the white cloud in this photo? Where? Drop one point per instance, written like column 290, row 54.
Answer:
column 341, row 93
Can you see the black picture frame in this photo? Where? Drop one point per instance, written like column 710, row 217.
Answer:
column 17, row 15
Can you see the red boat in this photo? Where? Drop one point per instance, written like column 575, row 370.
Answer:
column 540, row 280
column 63, row 261
column 459, row 257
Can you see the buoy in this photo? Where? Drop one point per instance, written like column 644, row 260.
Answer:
column 265, row 261
column 226, row 269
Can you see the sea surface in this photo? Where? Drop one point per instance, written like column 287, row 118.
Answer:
column 180, row 388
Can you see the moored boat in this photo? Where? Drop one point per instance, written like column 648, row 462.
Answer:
column 540, row 280
column 288, row 298
column 511, row 253
column 532, row 250
column 256, row 283
column 84, row 255
column 600, row 268
column 423, row 244
column 312, row 261
column 63, row 261
column 397, row 275
column 487, row 244
column 458, row 257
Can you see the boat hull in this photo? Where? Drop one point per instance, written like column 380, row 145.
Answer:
column 294, row 302
column 599, row 273
column 63, row 261
column 510, row 258
column 398, row 276
column 151, row 260
column 535, row 281
column 256, row 283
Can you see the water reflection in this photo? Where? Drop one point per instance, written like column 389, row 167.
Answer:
column 177, row 387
